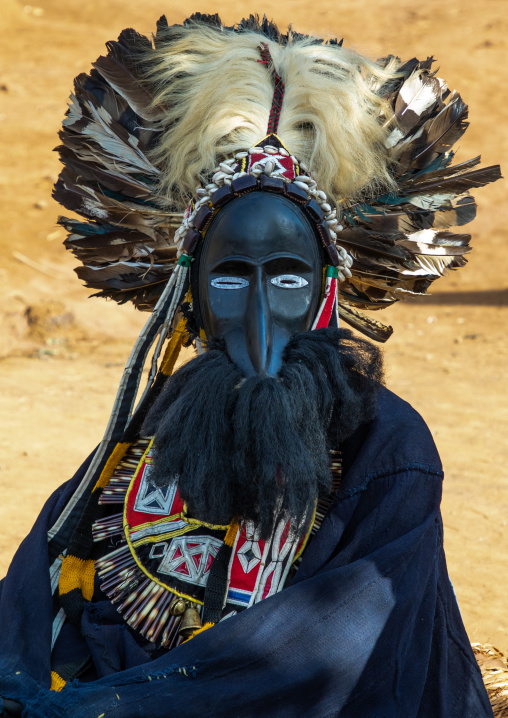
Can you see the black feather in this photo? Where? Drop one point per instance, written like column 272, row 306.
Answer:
column 460, row 183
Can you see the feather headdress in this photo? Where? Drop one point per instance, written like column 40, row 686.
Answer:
column 153, row 118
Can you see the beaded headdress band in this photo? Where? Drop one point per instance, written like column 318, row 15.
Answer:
column 271, row 168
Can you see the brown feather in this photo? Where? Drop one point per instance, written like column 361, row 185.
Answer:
column 113, row 68
column 441, row 132
column 368, row 326
column 458, row 184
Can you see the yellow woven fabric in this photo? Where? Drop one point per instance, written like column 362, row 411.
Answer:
column 173, row 348
column 115, row 457
column 229, row 538
column 77, row 573
column 57, row 682
column 199, row 630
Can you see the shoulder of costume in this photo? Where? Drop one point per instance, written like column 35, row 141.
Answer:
column 397, row 442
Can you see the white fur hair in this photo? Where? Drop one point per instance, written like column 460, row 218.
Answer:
column 217, row 97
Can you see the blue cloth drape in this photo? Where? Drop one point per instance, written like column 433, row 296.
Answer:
column 369, row 628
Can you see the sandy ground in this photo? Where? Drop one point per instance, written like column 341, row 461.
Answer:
column 62, row 356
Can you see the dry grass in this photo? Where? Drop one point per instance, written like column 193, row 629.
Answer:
column 494, row 667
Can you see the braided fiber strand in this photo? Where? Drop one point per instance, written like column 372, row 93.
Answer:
column 76, row 577
column 278, row 93
column 168, row 302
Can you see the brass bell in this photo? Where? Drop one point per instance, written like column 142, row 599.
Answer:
column 190, row 621
column 178, row 607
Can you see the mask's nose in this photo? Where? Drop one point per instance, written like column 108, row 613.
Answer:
column 258, row 325
column 256, row 348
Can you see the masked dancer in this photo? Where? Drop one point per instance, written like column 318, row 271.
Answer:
column 260, row 533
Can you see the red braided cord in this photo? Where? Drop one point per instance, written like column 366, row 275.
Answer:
column 278, row 93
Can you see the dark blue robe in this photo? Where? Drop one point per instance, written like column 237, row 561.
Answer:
column 370, row 627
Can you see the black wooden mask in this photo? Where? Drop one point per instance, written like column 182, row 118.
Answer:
column 259, row 279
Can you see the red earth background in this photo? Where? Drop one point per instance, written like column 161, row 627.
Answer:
column 62, row 355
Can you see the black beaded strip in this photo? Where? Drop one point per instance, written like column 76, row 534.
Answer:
column 216, row 585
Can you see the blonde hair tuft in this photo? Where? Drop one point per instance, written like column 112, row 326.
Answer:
column 217, row 95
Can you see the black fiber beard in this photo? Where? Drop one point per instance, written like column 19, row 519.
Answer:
column 258, row 448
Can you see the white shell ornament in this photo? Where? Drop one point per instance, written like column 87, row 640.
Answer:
column 229, row 283
column 289, row 281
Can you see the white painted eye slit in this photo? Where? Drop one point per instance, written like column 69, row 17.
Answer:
column 229, row 283
column 289, row 281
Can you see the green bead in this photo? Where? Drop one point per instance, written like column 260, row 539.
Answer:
column 185, row 260
column 332, row 271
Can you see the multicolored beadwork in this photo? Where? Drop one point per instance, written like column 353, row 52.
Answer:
column 162, row 556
